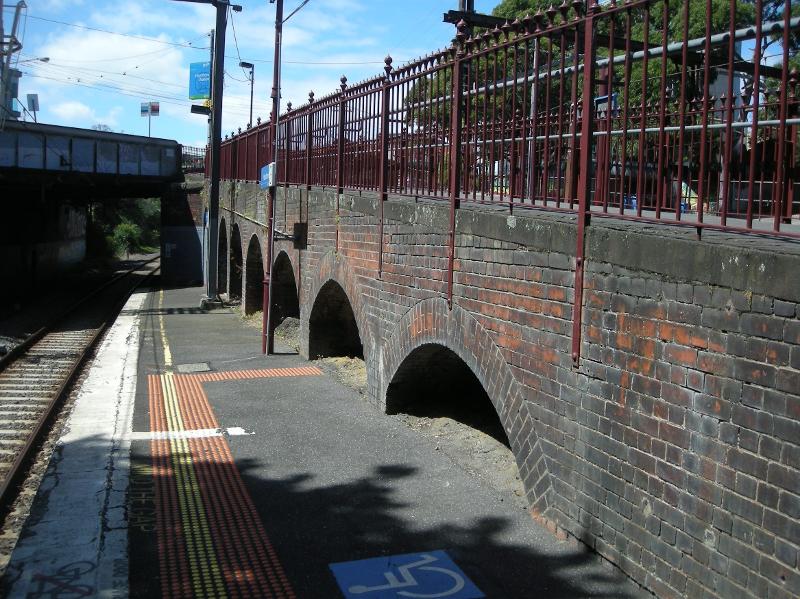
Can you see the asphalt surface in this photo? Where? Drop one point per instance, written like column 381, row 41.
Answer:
column 333, row 480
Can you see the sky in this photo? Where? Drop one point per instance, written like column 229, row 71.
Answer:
column 107, row 57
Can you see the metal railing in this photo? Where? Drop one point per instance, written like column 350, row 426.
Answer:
column 193, row 159
column 626, row 107
column 635, row 110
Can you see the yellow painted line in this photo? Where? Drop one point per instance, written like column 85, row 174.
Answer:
column 203, row 565
column 204, row 570
column 164, row 344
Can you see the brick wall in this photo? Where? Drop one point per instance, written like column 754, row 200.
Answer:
column 673, row 448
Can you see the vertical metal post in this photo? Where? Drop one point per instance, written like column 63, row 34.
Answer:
column 216, row 141
column 252, row 82
column 585, row 176
column 267, row 332
column 383, row 179
column 781, row 195
column 455, row 151
column 340, row 155
column 309, row 139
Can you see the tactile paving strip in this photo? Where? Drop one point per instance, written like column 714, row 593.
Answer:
column 210, row 538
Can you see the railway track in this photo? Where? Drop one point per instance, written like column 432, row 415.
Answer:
column 35, row 375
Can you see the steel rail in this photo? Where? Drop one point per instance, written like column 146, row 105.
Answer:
column 24, row 456
column 26, row 343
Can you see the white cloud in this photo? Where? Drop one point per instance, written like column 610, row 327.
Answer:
column 51, row 6
column 73, row 111
column 79, row 114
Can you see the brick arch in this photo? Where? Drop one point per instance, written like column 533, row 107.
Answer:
column 253, row 283
column 334, row 267
column 293, row 264
column 430, row 322
column 285, row 295
column 236, row 253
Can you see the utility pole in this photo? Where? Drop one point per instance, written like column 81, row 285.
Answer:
column 9, row 45
column 268, row 334
column 216, row 141
column 211, row 61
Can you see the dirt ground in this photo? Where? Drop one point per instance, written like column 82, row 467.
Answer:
column 475, row 452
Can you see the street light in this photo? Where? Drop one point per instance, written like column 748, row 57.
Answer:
column 216, row 141
column 251, row 66
column 267, row 332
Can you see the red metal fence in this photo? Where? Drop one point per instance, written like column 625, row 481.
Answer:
column 633, row 109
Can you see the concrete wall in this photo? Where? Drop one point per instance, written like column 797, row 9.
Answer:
column 39, row 239
column 183, row 233
column 672, row 449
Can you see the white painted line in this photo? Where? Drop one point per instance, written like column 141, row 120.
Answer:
column 203, row 433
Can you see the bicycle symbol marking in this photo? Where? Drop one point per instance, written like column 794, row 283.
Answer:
column 429, row 575
column 408, row 580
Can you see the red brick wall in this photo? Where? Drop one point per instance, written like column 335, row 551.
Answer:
column 673, row 448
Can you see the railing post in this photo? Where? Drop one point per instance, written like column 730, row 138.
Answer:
column 585, row 175
column 309, row 138
column 340, row 154
column 455, row 152
column 383, row 179
column 287, row 145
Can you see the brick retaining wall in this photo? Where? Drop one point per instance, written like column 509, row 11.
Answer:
column 673, row 448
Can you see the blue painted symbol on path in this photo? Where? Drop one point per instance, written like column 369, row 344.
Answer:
column 426, row 575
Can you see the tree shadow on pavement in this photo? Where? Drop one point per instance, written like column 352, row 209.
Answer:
column 313, row 525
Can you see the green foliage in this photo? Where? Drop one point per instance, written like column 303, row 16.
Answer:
column 127, row 237
column 124, row 226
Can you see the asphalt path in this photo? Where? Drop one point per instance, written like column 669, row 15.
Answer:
column 334, row 480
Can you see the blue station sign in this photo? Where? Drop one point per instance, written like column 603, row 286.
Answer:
column 199, row 80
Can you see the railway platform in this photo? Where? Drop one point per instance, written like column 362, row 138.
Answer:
column 194, row 466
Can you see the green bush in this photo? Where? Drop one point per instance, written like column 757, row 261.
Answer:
column 127, row 237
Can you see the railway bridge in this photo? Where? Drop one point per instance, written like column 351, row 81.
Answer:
column 515, row 226
column 50, row 175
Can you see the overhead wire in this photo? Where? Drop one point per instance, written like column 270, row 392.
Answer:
column 130, row 35
column 121, row 92
column 236, row 45
column 190, row 46
column 116, row 73
column 71, row 74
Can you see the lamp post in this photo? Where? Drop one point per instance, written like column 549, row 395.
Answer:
column 251, row 66
column 216, row 140
column 267, row 334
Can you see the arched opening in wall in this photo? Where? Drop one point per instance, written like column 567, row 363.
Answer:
column 285, row 303
column 435, row 385
column 222, row 259
column 254, row 277
column 332, row 329
column 235, row 288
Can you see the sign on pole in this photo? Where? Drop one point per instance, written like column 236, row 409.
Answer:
column 199, row 80
column 149, row 109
